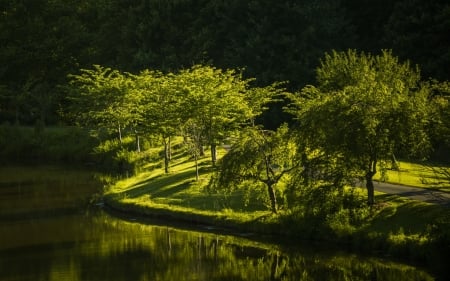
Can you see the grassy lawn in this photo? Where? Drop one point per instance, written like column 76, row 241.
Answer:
column 153, row 191
column 396, row 226
column 178, row 191
column 419, row 175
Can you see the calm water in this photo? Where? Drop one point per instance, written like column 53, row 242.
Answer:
column 49, row 231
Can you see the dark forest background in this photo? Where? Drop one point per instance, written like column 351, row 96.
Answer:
column 42, row 41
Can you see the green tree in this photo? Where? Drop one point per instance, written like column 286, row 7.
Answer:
column 439, row 129
column 215, row 102
column 101, row 97
column 162, row 107
column 192, row 135
column 364, row 109
column 259, row 156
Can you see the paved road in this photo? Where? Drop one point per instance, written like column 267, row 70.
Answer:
column 415, row 193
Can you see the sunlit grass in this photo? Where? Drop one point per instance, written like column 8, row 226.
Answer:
column 419, row 175
column 394, row 224
column 178, row 192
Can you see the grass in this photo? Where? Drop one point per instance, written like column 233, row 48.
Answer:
column 395, row 226
column 178, row 194
column 422, row 175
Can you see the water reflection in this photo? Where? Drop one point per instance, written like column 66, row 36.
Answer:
column 89, row 244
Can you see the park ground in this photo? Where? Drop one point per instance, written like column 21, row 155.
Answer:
column 396, row 226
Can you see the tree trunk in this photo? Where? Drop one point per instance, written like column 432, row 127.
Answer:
column 169, row 149
column 196, row 166
column 138, row 144
column 394, row 165
column 370, row 189
column 214, row 154
column 119, row 130
column 372, row 170
column 272, row 197
column 166, row 156
column 201, row 149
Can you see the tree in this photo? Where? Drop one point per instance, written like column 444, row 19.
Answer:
column 215, row 102
column 192, row 135
column 101, row 97
column 364, row 109
column 162, row 107
column 439, row 129
column 259, row 156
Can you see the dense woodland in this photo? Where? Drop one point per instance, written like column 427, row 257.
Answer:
column 358, row 82
column 42, row 41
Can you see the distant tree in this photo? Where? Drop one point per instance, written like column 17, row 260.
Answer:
column 364, row 109
column 419, row 31
column 40, row 43
column 259, row 156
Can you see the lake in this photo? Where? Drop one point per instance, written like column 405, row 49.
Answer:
column 52, row 229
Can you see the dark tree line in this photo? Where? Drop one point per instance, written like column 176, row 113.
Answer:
column 42, row 41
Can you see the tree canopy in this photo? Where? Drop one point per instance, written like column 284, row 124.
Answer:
column 259, row 156
column 44, row 40
column 364, row 109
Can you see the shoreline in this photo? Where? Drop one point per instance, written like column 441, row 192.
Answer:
column 362, row 242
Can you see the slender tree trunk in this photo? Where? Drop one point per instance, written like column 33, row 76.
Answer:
column 372, row 170
column 201, row 149
column 196, row 166
column 138, row 144
column 214, row 154
column 119, row 131
column 166, row 156
column 169, row 149
column 394, row 164
column 272, row 197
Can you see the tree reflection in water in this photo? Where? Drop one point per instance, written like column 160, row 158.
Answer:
column 89, row 244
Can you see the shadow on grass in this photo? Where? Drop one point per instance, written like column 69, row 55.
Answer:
column 162, row 185
column 178, row 189
column 410, row 217
column 236, row 201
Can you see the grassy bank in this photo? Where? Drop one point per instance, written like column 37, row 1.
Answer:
column 394, row 227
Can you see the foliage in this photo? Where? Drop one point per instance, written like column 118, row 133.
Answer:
column 439, row 128
column 421, row 25
column 161, row 107
column 206, row 103
column 364, row 110
column 216, row 102
column 259, row 156
column 44, row 40
column 220, row 102
column 102, row 97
